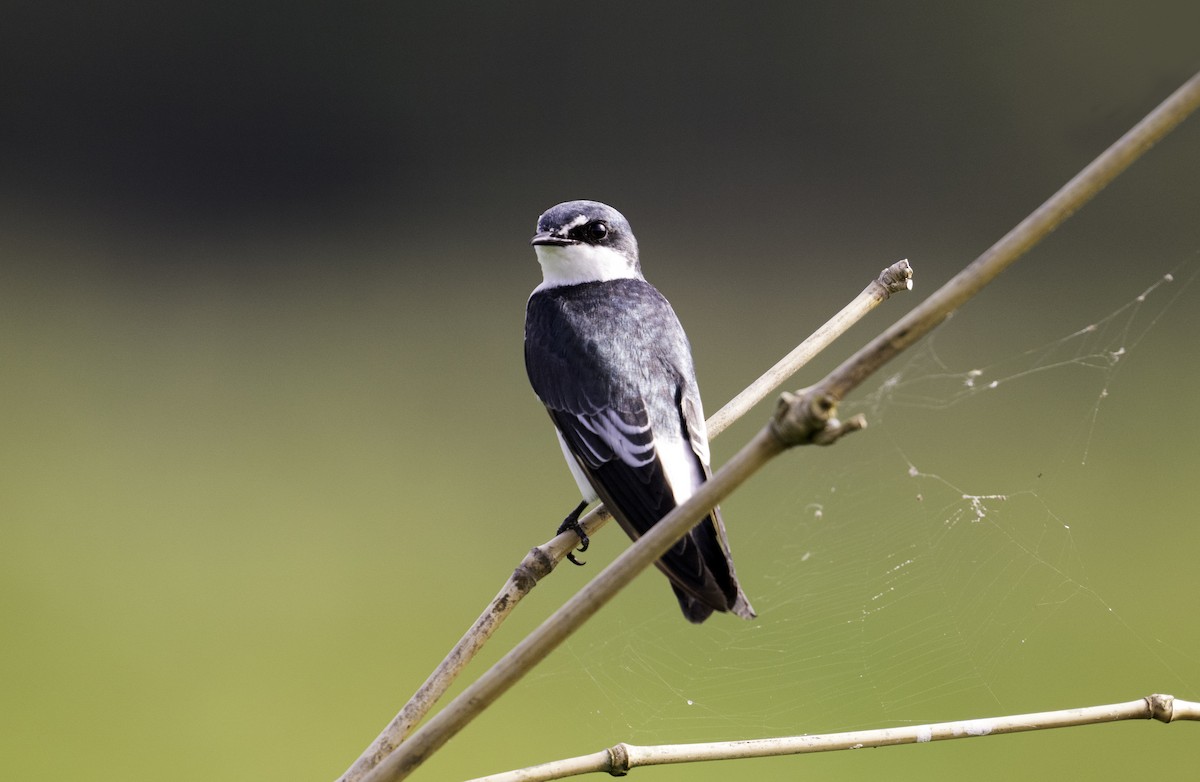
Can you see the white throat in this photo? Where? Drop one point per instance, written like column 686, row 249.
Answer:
column 578, row 263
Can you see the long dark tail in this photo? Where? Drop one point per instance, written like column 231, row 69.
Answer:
column 715, row 587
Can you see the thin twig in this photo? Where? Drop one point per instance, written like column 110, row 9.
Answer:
column 893, row 279
column 619, row 759
column 541, row 560
column 800, row 418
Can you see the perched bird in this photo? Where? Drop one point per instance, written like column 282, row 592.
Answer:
column 607, row 356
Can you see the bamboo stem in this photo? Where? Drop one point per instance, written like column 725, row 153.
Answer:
column 621, row 758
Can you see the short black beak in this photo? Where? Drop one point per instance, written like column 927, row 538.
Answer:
column 553, row 240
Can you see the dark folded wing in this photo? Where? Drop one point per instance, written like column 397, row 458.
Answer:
column 631, row 444
column 622, row 461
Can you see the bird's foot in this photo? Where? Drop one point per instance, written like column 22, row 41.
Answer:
column 571, row 522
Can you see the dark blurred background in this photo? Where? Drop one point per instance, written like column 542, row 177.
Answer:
column 266, row 444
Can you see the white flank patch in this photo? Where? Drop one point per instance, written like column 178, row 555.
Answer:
column 585, row 486
column 680, row 465
column 577, row 263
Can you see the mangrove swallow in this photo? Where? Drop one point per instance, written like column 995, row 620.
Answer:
column 606, row 354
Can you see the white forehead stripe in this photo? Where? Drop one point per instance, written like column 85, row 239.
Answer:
column 575, row 223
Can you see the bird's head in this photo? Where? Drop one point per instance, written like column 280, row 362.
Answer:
column 585, row 241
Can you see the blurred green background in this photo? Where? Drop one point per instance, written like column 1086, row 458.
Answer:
column 267, row 447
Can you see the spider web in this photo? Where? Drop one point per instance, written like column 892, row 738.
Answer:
column 934, row 573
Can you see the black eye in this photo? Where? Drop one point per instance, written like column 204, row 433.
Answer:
column 597, row 230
